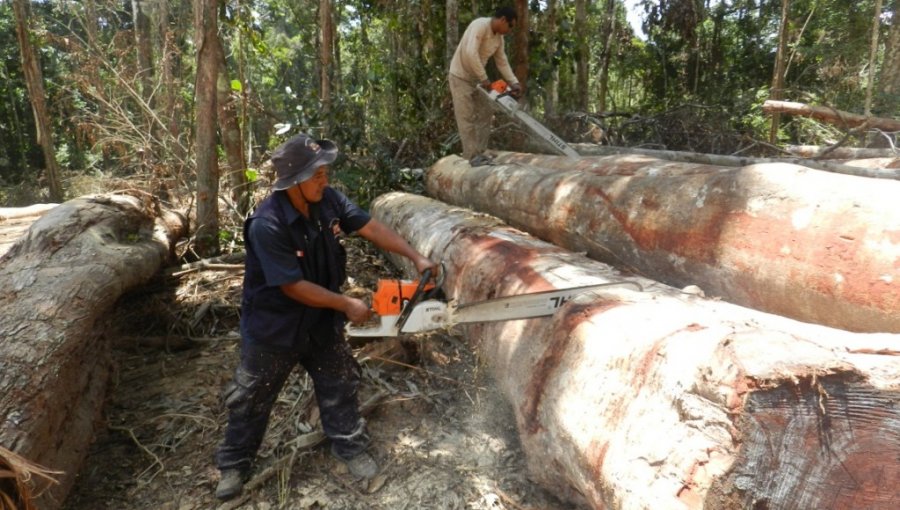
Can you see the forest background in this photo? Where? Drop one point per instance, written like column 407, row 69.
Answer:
column 186, row 99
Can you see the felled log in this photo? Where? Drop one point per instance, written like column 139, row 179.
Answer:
column 588, row 149
column 664, row 400
column 839, row 118
column 814, row 246
column 14, row 221
column 816, row 151
column 58, row 280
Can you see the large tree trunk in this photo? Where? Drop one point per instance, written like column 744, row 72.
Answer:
column 589, row 149
column 661, row 400
column 609, row 28
column 208, row 49
column 34, row 81
column 842, row 119
column 58, row 281
column 814, row 246
column 523, row 25
column 551, row 96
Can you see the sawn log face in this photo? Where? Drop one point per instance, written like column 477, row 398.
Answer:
column 805, row 244
column 58, row 280
column 663, row 400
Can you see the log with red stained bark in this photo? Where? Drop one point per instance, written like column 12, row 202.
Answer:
column 839, row 118
column 590, row 149
column 58, row 281
column 814, row 246
column 663, row 400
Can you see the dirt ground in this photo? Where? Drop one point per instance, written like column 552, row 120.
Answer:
column 443, row 438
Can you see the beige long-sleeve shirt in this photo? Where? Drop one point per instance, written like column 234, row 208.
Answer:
column 477, row 45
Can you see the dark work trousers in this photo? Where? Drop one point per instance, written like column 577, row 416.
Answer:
column 262, row 373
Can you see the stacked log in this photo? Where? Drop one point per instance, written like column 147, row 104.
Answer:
column 664, row 400
column 814, row 246
column 58, row 281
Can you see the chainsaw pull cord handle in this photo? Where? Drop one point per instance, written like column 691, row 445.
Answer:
column 416, row 298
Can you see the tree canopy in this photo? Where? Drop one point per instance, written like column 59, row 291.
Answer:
column 121, row 81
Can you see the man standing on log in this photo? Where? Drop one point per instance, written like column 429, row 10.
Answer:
column 292, row 311
column 482, row 39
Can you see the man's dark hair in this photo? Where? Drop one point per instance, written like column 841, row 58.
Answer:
column 506, row 12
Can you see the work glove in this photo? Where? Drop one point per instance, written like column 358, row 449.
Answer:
column 515, row 90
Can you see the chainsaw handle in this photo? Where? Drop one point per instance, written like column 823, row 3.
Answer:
column 419, row 296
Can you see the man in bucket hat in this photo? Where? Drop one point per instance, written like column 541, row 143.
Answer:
column 292, row 310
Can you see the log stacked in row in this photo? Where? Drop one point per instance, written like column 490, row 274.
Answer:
column 811, row 245
column 664, row 400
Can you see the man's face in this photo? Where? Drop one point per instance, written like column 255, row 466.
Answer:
column 314, row 187
column 506, row 26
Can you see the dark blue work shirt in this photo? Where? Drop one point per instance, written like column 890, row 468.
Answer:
column 284, row 247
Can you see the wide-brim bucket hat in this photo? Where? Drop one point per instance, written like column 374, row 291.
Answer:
column 297, row 159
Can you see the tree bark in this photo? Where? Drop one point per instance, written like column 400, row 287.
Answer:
column 59, row 281
column 552, row 87
column 778, row 73
column 451, row 28
column 208, row 49
column 143, row 48
column 325, row 53
column 581, row 56
column 586, row 149
column 658, row 399
column 841, row 119
column 814, row 246
column 230, row 133
column 520, row 62
column 873, row 53
column 34, row 82
column 609, row 26
column 889, row 78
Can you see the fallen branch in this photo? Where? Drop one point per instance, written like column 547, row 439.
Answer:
column 842, row 119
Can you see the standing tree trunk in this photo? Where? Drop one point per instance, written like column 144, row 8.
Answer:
column 581, row 56
column 144, row 49
column 520, row 64
column 609, row 28
column 451, row 25
column 230, row 133
column 889, row 82
column 208, row 50
column 551, row 96
column 34, row 81
column 778, row 76
column 325, row 54
column 873, row 53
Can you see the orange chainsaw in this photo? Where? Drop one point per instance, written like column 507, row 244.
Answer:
column 410, row 306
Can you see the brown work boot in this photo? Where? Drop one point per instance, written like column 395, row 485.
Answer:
column 361, row 466
column 231, row 483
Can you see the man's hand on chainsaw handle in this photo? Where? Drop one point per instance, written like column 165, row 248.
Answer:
column 485, row 84
column 357, row 311
column 515, row 90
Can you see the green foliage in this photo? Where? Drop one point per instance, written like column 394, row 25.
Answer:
column 390, row 110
